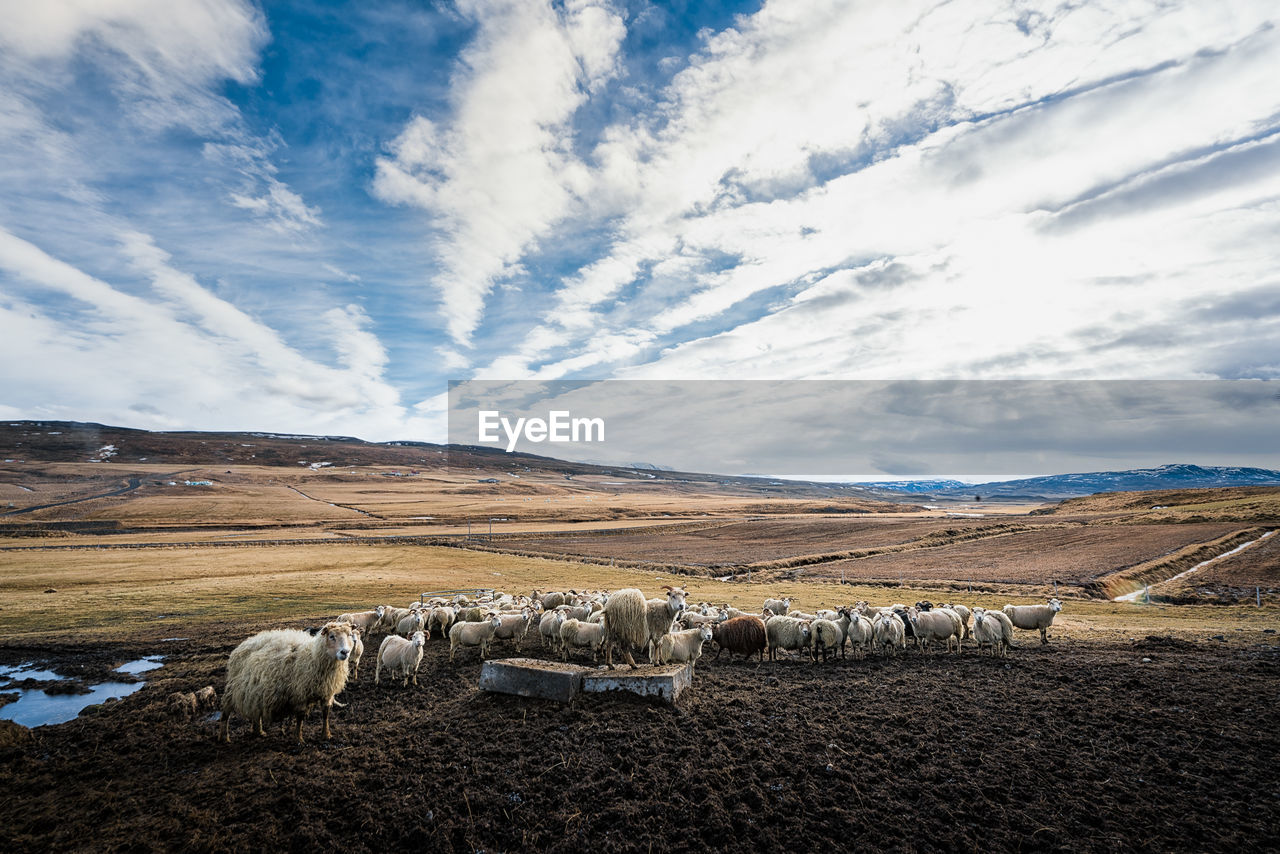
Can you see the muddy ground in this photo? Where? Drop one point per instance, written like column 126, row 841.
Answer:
column 1079, row 746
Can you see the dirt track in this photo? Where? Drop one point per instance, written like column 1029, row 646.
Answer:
column 1078, row 746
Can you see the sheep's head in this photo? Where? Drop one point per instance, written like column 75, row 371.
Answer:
column 1055, row 605
column 419, row 638
column 495, row 620
column 806, row 631
column 381, row 611
column 337, row 640
column 675, row 599
column 705, row 633
column 924, row 605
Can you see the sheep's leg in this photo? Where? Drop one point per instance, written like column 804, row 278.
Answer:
column 1044, row 635
column 327, row 709
column 224, row 733
column 297, row 731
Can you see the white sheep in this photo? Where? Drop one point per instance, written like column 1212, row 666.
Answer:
column 414, row 622
column 580, row 634
column 399, row 654
column 473, row 634
column 994, row 629
column 626, row 625
column 934, row 625
column 660, row 613
column 786, row 633
column 514, row 626
column 965, row 616
column 285, row 672
column 440, row 617
column 824, row 635
column 367, row 621
column 684, row 645
column 778, row 606
column 890, row 632
column 1032, row 617
column 549, row 628
column 357, row 652
column 861, row 634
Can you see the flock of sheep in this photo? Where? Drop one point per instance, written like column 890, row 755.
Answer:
column 277, row 674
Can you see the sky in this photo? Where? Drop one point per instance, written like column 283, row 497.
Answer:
column 308, row 217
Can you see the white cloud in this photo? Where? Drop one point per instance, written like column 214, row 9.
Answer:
column 501, row 171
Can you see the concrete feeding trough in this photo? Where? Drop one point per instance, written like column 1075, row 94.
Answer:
column 531, row 677
column 665, row 683
column 553, row 680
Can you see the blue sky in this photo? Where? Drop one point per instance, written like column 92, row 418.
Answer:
column 308, row 217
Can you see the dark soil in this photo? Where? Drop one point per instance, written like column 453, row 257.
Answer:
column 1074, row 747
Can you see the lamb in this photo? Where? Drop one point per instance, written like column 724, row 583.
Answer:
column 889, row 632
column 1033, row 617
column 694, row 619
column 364, row 620
column 398, row 654
column 580, row 633
column 660, row 614
column 743, row 635
column 934, row 625
column 824, row 635
column 786, row 633
column 411, row 624
column 683, row 646
column 626, row 624
column 440, row 617
column 357, row 652
column 473, row 634
column 552, row 600
column 778, row 606
column 285, row 672
column 993, row 628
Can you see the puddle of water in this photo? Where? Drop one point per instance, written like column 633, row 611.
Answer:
column 142, row 665
column 36, row 708
column 9, row 673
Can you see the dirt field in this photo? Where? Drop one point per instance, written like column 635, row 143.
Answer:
column 1068, row 556
column 1074, row 747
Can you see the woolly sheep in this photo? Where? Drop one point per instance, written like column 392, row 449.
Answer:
column 440, row 617
column 514, row 626
column 365, row 620
column 861, row 634
column 284, row 672
column 549, row 628
column 660, row 613
column 399, row 654
column 786, row 633
column 994, row 629
column 930, row 626
column 626, row 625
column 824, row 636
column 889, row 632
column 778, row 606
column 357, row 652
column 1032, row 617
column 473, row 634
column 742, row 635
column 580, row 633
column 414, row 622
column 684, row 645
column 965, row 616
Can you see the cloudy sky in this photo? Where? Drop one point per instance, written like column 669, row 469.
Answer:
column 308, row 217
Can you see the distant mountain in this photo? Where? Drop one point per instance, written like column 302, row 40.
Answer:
column 915, row 486
column 1180, row 476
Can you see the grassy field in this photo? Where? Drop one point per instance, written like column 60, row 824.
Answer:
column 165, row 592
